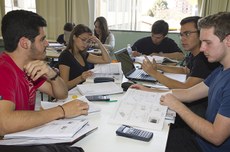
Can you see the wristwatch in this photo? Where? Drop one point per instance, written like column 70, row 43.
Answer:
column 57, row 74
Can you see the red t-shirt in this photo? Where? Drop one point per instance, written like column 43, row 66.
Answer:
column 16, row 86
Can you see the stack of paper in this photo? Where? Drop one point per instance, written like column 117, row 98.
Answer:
column 57, row 131
column 104, row 88
column 111, row 70
column 86, row 130
column 158, row 59
column 170, row 116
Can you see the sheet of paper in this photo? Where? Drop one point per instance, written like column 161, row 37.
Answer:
column 104, row 88
column 92, row 107
column 111, row 70
column 158, row 59
column 178, row 77
column 141, row 109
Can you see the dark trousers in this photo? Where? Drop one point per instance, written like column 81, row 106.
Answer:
column 40, row 148
column 181, row 137
column 182, row 140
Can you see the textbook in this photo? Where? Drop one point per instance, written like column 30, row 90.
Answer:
column 58, row 129
column 22, row 138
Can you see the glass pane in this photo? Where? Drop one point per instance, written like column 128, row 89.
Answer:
column 139, row 15
column 20, row 4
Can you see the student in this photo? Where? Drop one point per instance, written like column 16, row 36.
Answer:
column 64, row 38
column 197, row 68
column 74, row 60
column 23, row 71
column 102, row 32
column 211, row 134
column 158, row 43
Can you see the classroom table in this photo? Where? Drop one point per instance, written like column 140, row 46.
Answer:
column 104, row 139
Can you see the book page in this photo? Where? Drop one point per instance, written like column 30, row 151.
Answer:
column 58, row 129
column 111, row 70
column 104, row 88
column 141, row 109
column 87, row 129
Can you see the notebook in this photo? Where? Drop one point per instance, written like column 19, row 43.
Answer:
column 129, row 69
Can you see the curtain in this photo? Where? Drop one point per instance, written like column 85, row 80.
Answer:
column 2, row 11
column 58, row 12
column 208, row 7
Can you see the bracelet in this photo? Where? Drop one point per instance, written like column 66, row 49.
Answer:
column 57, row 74
column 63, row 111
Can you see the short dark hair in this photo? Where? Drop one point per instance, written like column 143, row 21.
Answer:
column 69, row 26
column 191, row 19
column 220, row 22
column 160, row 27
column 20, row 23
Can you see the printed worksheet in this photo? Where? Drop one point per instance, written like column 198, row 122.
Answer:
column 141, row 109
column 111, row 70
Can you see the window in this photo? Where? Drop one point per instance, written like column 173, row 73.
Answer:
column 139, row 15
column 20, row 4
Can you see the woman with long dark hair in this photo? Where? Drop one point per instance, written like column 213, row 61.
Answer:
column 101, row 31
column 74, row 60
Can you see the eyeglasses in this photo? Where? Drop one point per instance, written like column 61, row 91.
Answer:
column 187, row 33
column 84, row 40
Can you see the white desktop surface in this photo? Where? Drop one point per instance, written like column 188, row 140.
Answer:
column 104, row 139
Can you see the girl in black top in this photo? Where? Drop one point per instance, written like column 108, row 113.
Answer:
column 74, row 60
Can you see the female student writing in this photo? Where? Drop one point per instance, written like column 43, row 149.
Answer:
column 74, row 60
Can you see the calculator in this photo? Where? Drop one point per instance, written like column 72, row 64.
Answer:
column 98, row 98
column 134, row 133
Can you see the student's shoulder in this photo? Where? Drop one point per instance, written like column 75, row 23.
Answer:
column 65, row 54
column 169, row 40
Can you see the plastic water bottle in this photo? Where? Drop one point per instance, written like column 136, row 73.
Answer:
column 129, row 49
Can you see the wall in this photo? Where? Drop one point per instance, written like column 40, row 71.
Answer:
column 123, row 38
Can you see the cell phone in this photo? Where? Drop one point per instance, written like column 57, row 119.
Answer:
column 98, row 98
column 134, row 133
